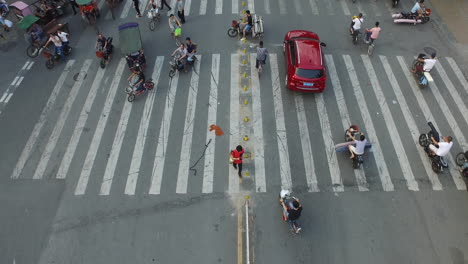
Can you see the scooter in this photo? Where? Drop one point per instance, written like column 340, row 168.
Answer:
column 410, row 18
column 148, row 85
column 353, row 130
column 288, row 200
column 104, row 54
column 256, row 30
column 52, row 59
column 461, row 160
column 438, row 163
column 177, row 65
column 423, row 77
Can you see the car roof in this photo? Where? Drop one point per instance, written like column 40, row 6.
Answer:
column 309, row 53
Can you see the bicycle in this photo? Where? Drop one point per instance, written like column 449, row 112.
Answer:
column 155, row 17
column 370, row 48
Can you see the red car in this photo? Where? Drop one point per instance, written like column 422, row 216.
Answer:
column 304, row 61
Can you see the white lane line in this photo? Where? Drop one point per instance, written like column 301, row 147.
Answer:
column 184, row 162
column 267, row 7
column 101, row 125
column 8, row 98
column 30, row 65
column 26, row 64
column 42, row 119
column 203, row 5
column 218, row 7
column 251, row 6
column 313, row 6
column 208, row 171
column 137, row 157
column 282, row 7
column 14, row 81
column 459, row 182
column 307, row 153
column 235, row 6
column 387, row 184
column 458, row 73
column 345, row 8
column 80, row 125
column 259, row 152
column 283, row 152
column 298, row 6
column 454, row 93
column 234, row 127
column 173, row 6
column 19, row 81
column 335, row 174
column 126, row 9
column 344, row 114
column 161, row 149
column 187, row 5
column 3, row 97
column 410, row 121
column 57, row 131
column 387, row 115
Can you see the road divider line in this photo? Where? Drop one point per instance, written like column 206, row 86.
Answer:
column 436, row 185
column 182, row 178
column 459, row 182
column 14, row 81
column 19, row 81
column 307, row 152
column 57, row 131
column 26, row 64
column 8, row 97
column 259, row 152
column 98, row 133
column 42, row 119
column 344, row 114
column 161, row 149
column 387, row 115
column 234, row 128
column 208, row 171
column 281, row 137
column 137, row 156
column 387, row 184
column 30, row 65
column 458, row 73
column 3, row 97
column 80, row 125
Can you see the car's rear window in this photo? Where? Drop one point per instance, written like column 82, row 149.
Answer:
column 309, row 74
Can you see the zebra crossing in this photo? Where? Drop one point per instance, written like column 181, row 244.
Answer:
column 99, row 139
column 268, row 7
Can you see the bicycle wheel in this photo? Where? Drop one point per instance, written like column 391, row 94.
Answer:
column 131, row 97
column 355, row 38
column 423, row 140
column 32, row 51
column 49, row 64
column 171, row 73
column 460, row 159
column 232, row 32
column 436, row 167
column 152, row 25
column 150, row 86
column 370, row 49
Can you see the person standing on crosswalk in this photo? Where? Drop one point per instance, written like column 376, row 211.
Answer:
column 236, row 157
column 180, row 10
column 163, row 2
column 136, row 4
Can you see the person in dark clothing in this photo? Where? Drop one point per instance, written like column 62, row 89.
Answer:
column 163, row 2
column 74, row 5
column 180, row 10
column 247, row 25
column 236, row 156
column 136, row 4
column 293, row 212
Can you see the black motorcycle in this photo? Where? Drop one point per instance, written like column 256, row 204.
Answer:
column 438, row 163
column 179, row 65
column 354, row 131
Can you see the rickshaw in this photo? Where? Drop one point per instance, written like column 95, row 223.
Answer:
column 89, row 10
column 131, row 46
column 46, row 11
column 36, row 33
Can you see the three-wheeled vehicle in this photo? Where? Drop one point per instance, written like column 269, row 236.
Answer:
column 44, row 10
column 89, row 10
column 131, row 46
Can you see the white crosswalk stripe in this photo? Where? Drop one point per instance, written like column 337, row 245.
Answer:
column 79, row 167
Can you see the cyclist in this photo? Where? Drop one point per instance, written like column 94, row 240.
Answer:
column 57, row 43
column 262, row 54
column 373, row 33
column 139, row 82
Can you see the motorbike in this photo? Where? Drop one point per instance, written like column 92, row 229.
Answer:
column 177, row 65
column 148, row 85
column 288, row 200
column 410, row 18
column 256, row 31
column 52, row 59
column 438, row 163
column 353, row 130
column 461, row 160
column 104, row 54
column 423, row 77
column 135, row 62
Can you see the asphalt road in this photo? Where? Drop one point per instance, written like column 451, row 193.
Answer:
column 89, row 178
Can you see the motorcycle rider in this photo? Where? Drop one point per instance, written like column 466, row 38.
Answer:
column 360, row 145
column 64, row 38
column 292, row 212
column 441, row 148
column 57, row 43
column 373, row 33
column 140, row 81
column 247, row 25
column 356, row 24
column 423, row 64
column 190, row 49
column 418, row 8
column 180, row 54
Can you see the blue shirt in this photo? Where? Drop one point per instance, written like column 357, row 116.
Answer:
column 416, row 8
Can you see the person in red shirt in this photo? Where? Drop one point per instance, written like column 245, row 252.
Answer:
column 236, row 155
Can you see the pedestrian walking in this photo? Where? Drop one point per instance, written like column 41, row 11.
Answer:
column 136, row 4
column 262, row 54
column 74, row 5
column 180, row 10
column 163, row 2
column 236, row 158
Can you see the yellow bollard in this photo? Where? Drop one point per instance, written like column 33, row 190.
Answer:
column 245, row 40
column 246, row 174
column 246, row 156
column 245, row 51
column 243, row 4
column 245, row 75
column 245, row 87
column 246, row 138
column 244, row 62
column 246, row 119
column 246, row 102
column 247, row 197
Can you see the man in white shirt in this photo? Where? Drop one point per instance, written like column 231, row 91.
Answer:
column 63, row 37
column 57, row 43
column 360, row 146
column 429, row 63
column 443, row 146
column 356, row 23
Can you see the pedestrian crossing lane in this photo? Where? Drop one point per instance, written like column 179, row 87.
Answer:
column 137, row 156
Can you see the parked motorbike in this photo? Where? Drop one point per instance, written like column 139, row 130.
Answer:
column 423, row 77
column 52, row 59
column 177, row 65
column 437, row 162
column 104, row 54
column 461, row 160
column 353, row 130
column 256, row 31
column 288, row 200
column 131, row 89
column 410, row 18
